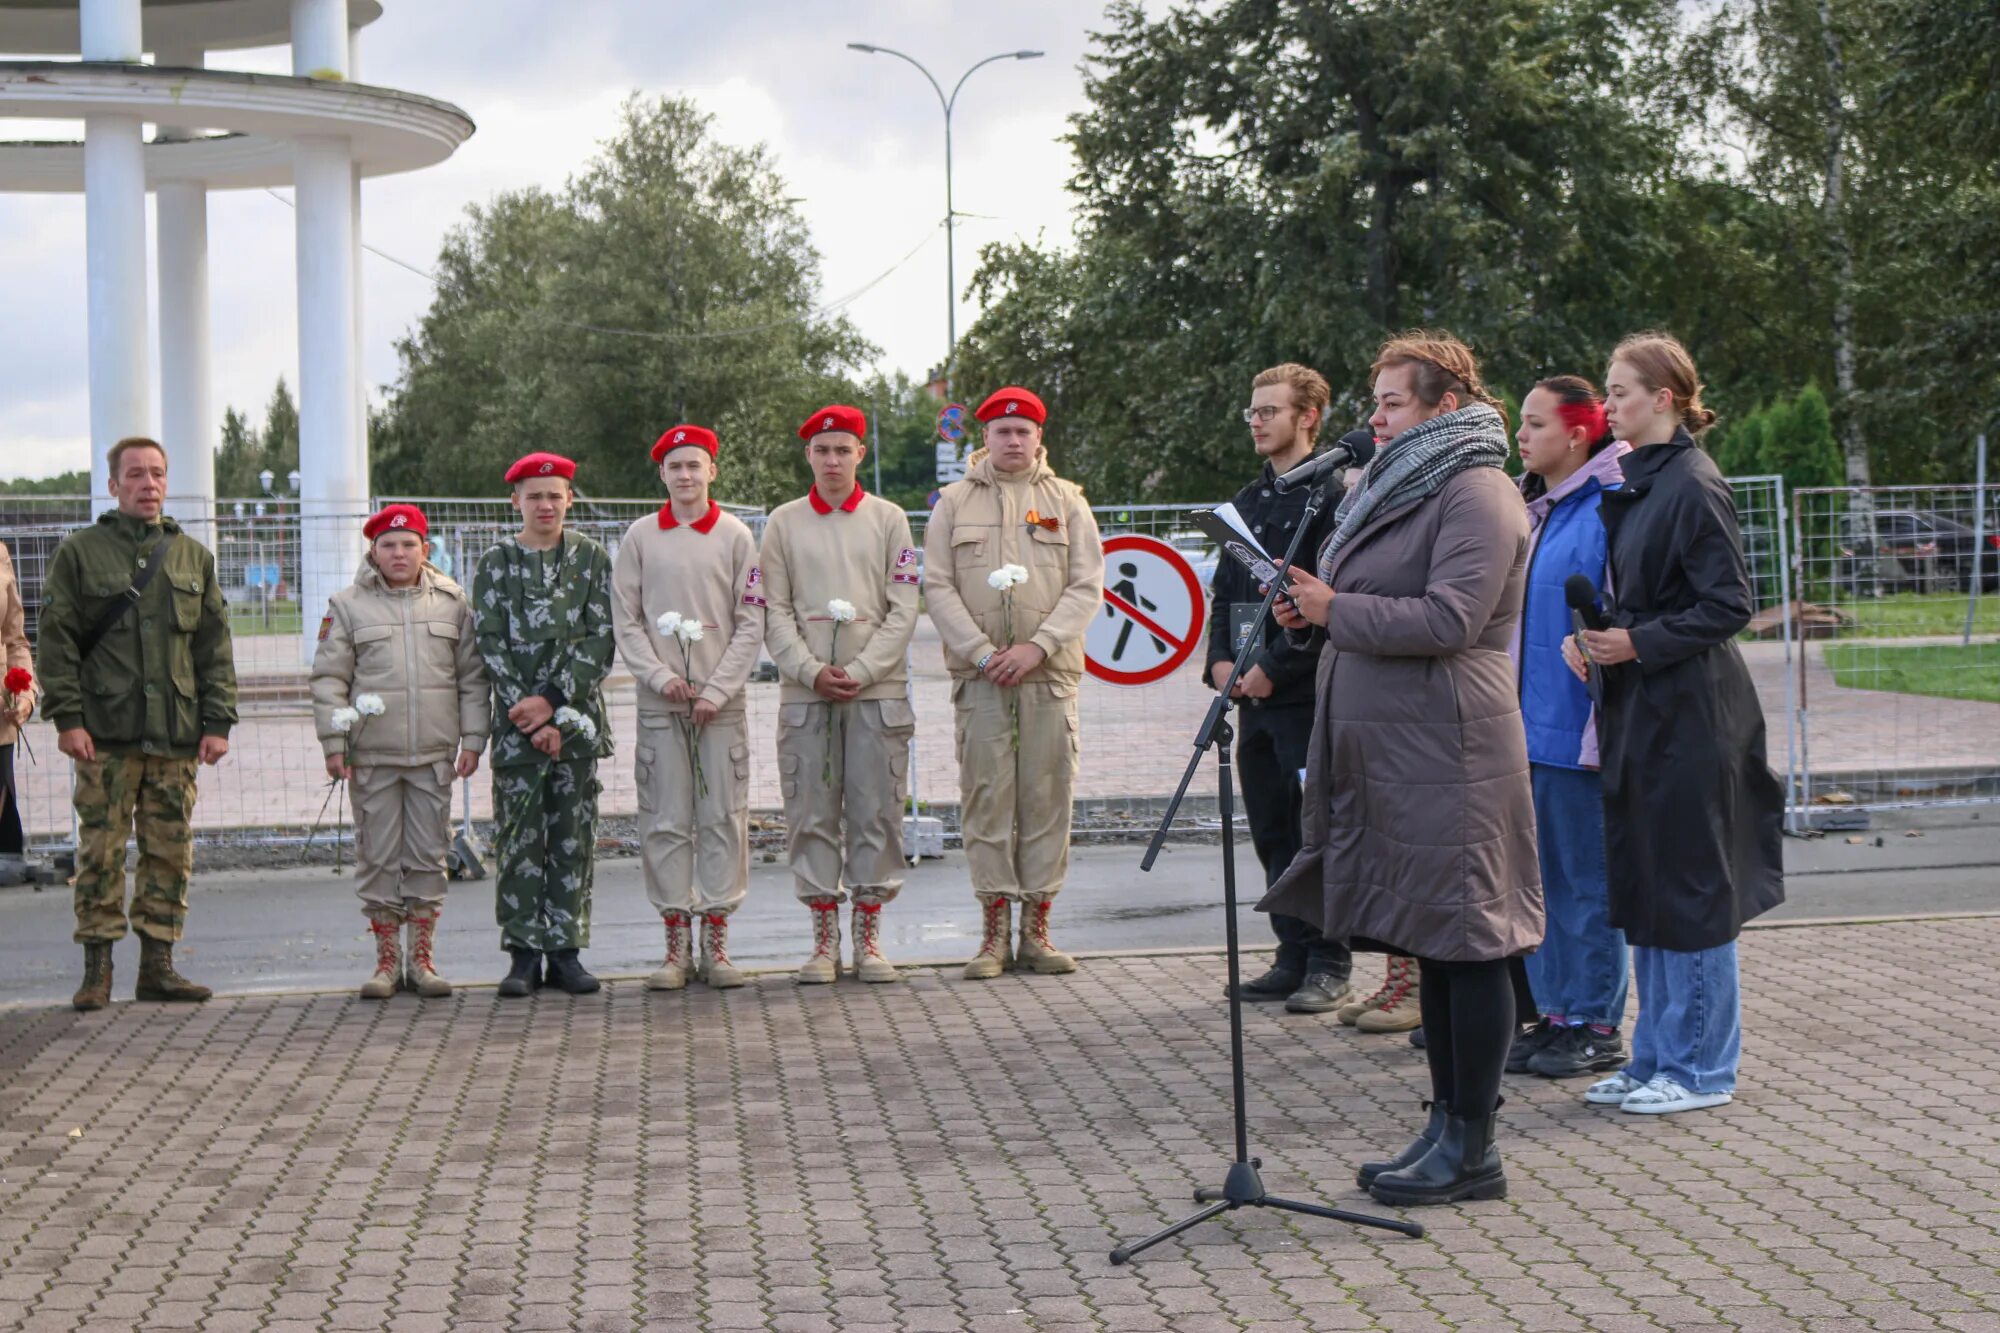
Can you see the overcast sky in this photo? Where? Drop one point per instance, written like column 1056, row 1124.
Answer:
column 859, row 137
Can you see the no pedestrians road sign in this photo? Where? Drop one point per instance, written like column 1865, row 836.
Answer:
column 1153, row 613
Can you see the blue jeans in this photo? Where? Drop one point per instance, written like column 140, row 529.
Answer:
column 1579, row 973
column 1690, row 1024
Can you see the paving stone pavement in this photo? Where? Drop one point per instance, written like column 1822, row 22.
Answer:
column 959, row 1155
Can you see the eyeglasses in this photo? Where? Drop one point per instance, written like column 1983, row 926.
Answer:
column 1259, row 415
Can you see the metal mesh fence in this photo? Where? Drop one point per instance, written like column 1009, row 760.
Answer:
column 271, row 788
column 1898, row 676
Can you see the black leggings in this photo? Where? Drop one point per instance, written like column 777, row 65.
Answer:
column 1468, row 1013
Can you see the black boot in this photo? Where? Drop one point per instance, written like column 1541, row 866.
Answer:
column 1422, row 1144
column 567, row 973
column 1275, row 984
column 525, row 977
column 1464, row 1164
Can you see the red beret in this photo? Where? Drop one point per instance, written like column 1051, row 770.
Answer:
column 701, row 437
column 542, row 465
column 1013, row 402
column 835, row 417
column 406, row 518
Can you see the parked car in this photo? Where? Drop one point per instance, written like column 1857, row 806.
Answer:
column 1913, row 550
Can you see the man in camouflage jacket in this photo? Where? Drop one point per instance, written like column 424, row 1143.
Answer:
column 137, row 709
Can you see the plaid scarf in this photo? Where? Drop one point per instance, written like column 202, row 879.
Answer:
column 1417, row 464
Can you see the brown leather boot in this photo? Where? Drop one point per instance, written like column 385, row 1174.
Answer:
column 423, row 972
column 157, row 978
column 95, row 992
column 388, row 960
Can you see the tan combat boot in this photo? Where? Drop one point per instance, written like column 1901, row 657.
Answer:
column 95, row 992
column 157, row 978
column 1399, row 1009
column 1036, row 951
column 996, row 941
column 388, row 960
column 673, row 973
column 1351, row 1012
column 824, row 965
column 716, row 969
column 869, row 964
column 423, row 972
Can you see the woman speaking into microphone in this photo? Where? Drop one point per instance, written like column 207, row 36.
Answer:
column 1419, row 816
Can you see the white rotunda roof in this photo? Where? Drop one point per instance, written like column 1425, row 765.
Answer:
column 50, row 27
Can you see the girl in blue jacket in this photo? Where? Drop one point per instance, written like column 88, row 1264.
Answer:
column 1579, row 975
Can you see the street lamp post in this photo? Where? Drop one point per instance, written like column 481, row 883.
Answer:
column 950, row 215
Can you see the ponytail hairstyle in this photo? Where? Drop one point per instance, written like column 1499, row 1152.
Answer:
column 1579, row 403
column 1661, row 362
column 1443, row 365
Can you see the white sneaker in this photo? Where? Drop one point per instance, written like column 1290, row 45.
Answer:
column 1612, row 1091
column 1664, row 1096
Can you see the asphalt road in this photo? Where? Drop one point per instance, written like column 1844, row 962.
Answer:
column 303, row 930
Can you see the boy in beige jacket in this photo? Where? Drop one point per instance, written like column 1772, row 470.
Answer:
column 1016, row 658
column 841, row 574
column 688, row 615
column 402, row 634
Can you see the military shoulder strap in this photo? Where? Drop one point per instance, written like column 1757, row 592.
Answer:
column 149, row 565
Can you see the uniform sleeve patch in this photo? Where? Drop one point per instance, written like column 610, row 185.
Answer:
column 900, row 577
column 907, row 557
column 325, row 626
column 753, row 587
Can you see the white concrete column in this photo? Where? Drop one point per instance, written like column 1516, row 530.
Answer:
column 187, row 427
column 187, row 424
column 319, row 39
column 360, row 270
column 111, row 30
column 333, row 464
column 114, row 223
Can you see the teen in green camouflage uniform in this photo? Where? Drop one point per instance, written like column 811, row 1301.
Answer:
column 542, row 606
column 138, row 714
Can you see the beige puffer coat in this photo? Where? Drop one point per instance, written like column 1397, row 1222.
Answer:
column 14, row 650
column 415, row 648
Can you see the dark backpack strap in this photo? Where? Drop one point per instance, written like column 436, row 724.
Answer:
column 149, row 565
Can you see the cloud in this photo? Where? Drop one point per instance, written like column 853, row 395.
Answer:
column 859, row 138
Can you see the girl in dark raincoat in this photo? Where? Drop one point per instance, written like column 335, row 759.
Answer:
column 1692, row 810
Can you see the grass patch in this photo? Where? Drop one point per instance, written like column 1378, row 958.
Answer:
column 251, row 620
column 1913, row 615
column 1948, row 671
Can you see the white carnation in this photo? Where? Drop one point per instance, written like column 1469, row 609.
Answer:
column 585, row 727
column 1019, row 573
column 368, row 705
column 343, row 719
column 842, row 612
column 1000, row 580
column 691, row 631
column 669, row 624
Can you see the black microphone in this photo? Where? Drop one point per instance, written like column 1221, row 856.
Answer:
column 1581, row 594
column 1353, row 449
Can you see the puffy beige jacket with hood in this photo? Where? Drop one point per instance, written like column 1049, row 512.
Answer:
column 14, row 650
column 414, row 647
column 980, row 524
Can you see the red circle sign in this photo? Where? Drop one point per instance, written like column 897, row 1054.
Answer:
column 1153, row 613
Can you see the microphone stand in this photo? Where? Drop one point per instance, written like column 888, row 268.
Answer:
column 1242, row 1187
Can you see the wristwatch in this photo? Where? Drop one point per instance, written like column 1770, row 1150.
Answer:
column 980, row 665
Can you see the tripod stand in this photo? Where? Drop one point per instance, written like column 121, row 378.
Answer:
column 1242, row 1187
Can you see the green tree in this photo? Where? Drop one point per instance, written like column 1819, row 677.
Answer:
column 63, row 483
column 1799, row 443
column 237, row 457
column 671, row 280
column 1272, row 180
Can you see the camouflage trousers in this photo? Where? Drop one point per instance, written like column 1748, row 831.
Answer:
column 545, row 853
column 144, row 796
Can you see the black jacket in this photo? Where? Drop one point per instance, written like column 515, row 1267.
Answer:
column 1271, row 518
column 1692, row 812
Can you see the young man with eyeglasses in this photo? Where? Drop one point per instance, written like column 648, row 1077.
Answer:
column 1275, row 692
